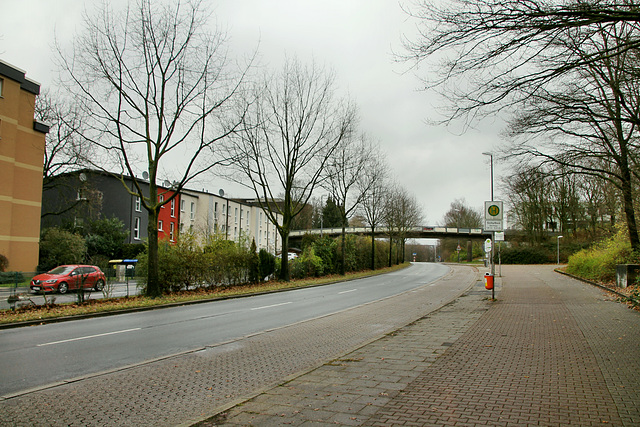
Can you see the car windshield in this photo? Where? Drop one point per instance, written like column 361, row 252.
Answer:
column 63, row 269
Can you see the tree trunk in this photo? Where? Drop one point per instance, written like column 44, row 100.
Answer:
column 373, row 249
column 629, row 212
column 153, row 281
column 284, row 258
column 343, row 269
column 390, row 251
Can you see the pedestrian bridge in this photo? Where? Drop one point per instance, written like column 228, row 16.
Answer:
column 420, row 232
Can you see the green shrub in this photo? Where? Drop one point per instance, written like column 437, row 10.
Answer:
column 58, row 247
column 254, row 264
column 267, row 264
column 308, row 264
column 523, row 255
column 325, row 248
column 599, row 262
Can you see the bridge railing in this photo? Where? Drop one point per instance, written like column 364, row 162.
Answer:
column 423, row 231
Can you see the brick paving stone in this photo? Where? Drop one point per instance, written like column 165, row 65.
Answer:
column 552, row 351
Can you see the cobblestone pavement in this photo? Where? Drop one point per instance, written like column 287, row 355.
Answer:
column 184, row 389
column 550, row 351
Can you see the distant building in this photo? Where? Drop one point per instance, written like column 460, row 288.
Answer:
column 76, row 197
column 71, row 199
column 22, row 143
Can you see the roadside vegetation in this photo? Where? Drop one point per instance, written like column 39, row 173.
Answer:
column 598, row 262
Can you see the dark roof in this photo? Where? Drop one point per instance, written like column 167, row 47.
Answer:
column 18, row 75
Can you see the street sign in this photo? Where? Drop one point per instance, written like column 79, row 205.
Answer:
column 493, row 210
column 487, row 245
column 493, row 216
column 493, row 225
column 499, row 236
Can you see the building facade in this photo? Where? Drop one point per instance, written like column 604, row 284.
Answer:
column 22, row 144
column 77, row 197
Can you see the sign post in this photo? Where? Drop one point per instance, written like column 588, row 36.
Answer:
column 493, row 221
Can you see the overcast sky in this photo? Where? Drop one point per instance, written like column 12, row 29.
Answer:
column 356, row 38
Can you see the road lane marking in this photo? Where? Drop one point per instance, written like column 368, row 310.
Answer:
column 88, row 336
column 346, row 292
column 269, row 306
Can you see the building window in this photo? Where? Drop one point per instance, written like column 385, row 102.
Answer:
column 193, row 210
column 78, row 222
column 181, row 205
column 81, row 195
column 173, row 208
column 138, row 204
column 1, row 86
column 136, row 228
column 171, row 226
column 236, row 215
column 160, row 226
column 161, row 200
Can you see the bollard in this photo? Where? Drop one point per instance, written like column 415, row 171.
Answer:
column 488, row 281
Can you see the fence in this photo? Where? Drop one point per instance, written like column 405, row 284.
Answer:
column 15, row 290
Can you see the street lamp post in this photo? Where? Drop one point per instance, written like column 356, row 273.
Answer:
column 559, row 237
column 491, row 159
column 321, row 214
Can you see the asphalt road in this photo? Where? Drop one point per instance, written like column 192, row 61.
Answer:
column 39, row 356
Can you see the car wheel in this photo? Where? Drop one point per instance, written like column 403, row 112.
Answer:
column 63, row 288
column 99, row 285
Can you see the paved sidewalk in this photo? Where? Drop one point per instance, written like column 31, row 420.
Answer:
column 550, row 351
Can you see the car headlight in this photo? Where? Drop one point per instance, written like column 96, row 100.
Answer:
column 51, row 281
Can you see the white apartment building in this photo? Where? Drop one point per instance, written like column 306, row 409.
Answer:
column 209, row 214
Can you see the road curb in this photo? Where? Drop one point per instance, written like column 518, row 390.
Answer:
column 627, row 298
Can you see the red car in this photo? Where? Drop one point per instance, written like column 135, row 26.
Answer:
column 66, row 277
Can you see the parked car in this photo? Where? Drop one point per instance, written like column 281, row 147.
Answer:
column 66, row 277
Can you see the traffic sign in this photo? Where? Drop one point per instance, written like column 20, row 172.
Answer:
column 487, row 245
column 493, row 216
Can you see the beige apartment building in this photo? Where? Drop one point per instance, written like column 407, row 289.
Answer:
column 22, row 142
column 232, row 219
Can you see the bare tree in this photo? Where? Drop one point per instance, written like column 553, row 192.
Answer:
column 158, row 84
column 589, row 124
column 527, row 190
column 345, row 183
column 374, row 180
column 65, row 150
column 402, row 212
column 291, row 132
column 409, row 215
column 505, row 50
column 460, row 215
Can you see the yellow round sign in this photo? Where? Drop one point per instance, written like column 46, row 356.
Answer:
column 494, row 210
